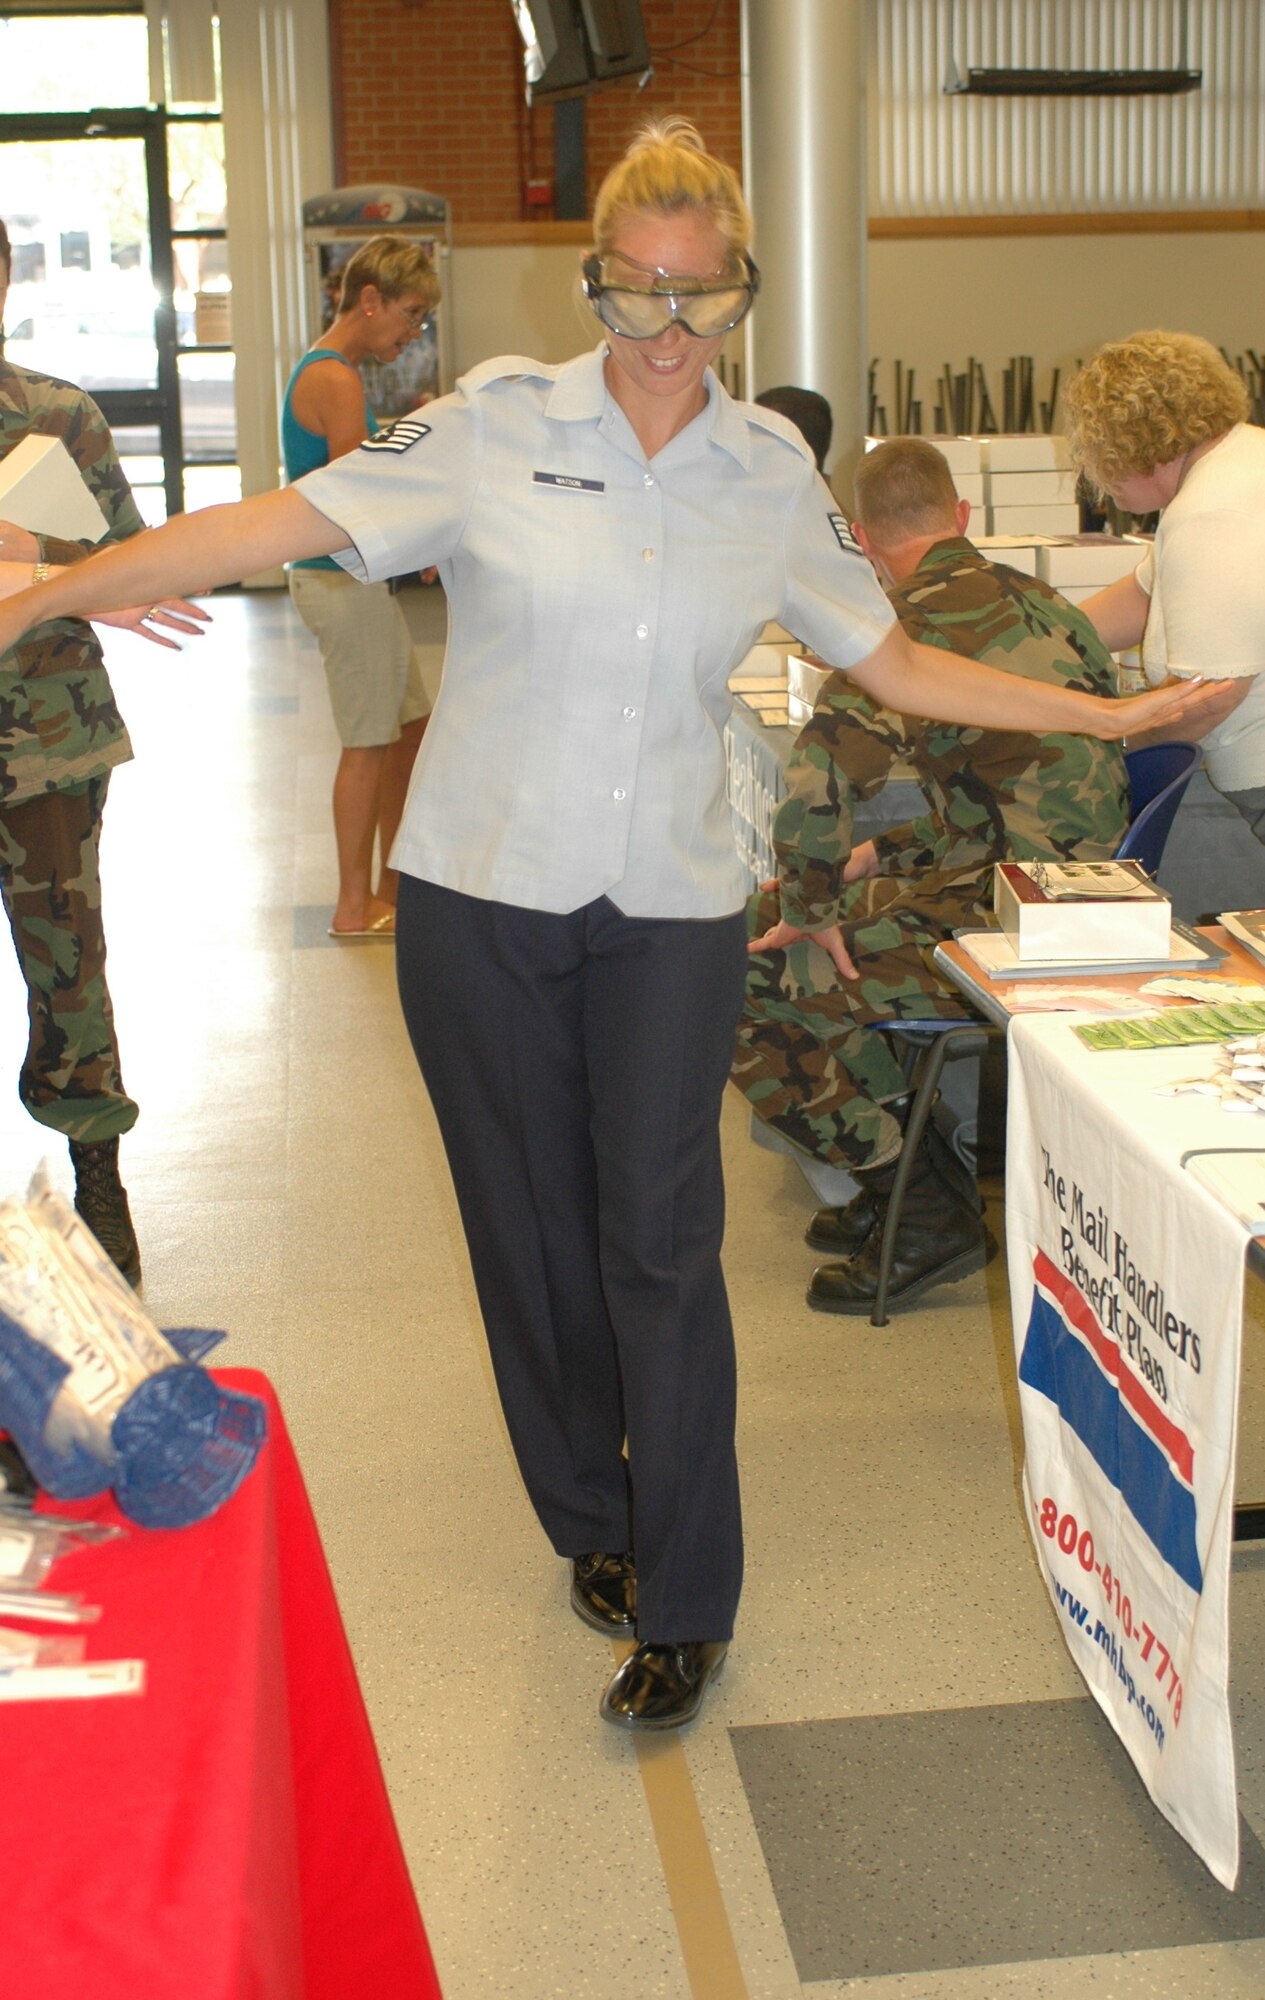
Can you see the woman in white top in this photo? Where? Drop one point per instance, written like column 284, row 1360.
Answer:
column 1158, row 421
column 612, row 534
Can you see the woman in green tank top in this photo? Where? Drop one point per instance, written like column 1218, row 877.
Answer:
column 389, row 290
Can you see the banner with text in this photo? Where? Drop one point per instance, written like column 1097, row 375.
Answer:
column 1126, row 1283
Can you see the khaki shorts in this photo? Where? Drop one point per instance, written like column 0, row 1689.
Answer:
column 374, row 676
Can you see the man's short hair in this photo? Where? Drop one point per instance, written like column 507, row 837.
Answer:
column 902, row 489
column 808, row 411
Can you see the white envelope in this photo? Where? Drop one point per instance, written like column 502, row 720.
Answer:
column 41, row 489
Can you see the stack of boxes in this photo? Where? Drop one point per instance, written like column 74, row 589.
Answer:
column 1029, row 485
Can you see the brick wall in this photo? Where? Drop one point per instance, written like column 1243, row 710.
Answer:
column 429, row 93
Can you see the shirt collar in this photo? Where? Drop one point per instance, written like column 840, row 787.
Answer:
column 953, row 549
column 580, row 395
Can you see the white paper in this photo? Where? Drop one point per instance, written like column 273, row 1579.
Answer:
column 98, row 1677
column 41, row 489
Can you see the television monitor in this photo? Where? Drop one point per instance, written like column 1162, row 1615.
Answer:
column 573, row 46
column 616, row 38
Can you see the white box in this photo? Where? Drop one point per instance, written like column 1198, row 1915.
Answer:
column 1047, row 914
column 1026, row 451
column 798, row 711
column 41, row 490
column 1096, row 559
column 970, row 486
column 961, row 454
column 1025, row 489
column 1021, row 552
column 805, row 680
column 1057, row 518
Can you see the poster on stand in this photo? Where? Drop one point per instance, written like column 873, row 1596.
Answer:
column 1126, row 1282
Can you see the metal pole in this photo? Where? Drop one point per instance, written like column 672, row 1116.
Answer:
column 804, row 147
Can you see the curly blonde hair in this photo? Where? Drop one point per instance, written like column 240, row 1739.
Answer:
column 667, row 169
column 1144, row 401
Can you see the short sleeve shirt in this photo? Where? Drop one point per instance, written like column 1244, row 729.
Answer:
column 59, row 723
column 1205, row 577
column 598, row 602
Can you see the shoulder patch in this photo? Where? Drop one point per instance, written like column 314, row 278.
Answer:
column 843, row 534
column 398, row 436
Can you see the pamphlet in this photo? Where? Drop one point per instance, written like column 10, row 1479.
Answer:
column 1176, row 1028
column 1248, row 926
column 42, row 489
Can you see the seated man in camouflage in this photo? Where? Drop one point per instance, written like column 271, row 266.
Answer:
column 842, row 938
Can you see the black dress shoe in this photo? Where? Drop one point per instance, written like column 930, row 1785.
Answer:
column 661, row 1687
column 604, row 1593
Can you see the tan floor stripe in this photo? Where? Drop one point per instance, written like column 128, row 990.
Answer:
column 707, row 1944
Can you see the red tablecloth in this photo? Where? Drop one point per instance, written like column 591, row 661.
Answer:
column 227, row 1834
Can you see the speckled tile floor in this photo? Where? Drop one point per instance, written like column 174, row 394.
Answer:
column 288, row 1185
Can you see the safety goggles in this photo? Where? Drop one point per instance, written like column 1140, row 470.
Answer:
column 639, row 303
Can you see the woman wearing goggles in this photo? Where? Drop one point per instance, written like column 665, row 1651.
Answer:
column 613, row 534
column 640, row 303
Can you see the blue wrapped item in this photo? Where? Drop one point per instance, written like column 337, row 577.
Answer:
column 94, row 1395
column 184, row 1445
column 30, row 1378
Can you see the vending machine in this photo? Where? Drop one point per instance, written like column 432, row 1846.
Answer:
column 334, row 227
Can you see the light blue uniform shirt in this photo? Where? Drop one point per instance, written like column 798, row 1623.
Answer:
column 598, row 602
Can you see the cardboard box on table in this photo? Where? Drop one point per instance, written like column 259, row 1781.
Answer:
column 1064, row 912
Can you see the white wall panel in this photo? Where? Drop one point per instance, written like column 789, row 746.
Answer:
column 932, row 154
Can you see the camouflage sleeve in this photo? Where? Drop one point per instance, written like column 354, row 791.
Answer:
column 843, row 754
column 86, row 436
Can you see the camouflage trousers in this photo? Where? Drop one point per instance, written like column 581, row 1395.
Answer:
column 808, row 1059
column 49, row 878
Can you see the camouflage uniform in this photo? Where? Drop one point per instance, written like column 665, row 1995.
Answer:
column 60, row 735
column 804, row 1058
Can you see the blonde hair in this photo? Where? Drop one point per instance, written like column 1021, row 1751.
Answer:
column 1145, row 401
column 667, row 170
column 902, row 489
column 394, row 265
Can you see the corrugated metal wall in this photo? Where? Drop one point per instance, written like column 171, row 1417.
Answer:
column 936, row 155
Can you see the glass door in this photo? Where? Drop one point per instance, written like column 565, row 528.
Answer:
column 120, row 277
column 91, row 292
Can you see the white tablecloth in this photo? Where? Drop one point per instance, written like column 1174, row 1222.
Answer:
column 1126, row 1281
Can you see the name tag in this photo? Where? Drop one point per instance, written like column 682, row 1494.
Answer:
column 843, row 534
column 572, row 485
column 399, row 437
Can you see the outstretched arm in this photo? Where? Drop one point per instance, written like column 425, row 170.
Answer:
column 925, row 680
column 193, row 553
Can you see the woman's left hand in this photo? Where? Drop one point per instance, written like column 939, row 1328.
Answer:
column 1194, row 704
column 175, row 612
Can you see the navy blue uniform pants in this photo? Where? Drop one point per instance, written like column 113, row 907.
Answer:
column 576, row 1066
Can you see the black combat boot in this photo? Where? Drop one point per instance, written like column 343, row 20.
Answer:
column 844, row 1231
column 941, row 1237
column 101, row 1200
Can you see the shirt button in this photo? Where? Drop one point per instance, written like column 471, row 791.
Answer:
column 619, row 793
column 629, row 714
column 647, row 478
column 642, row 631
column 647, row 555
